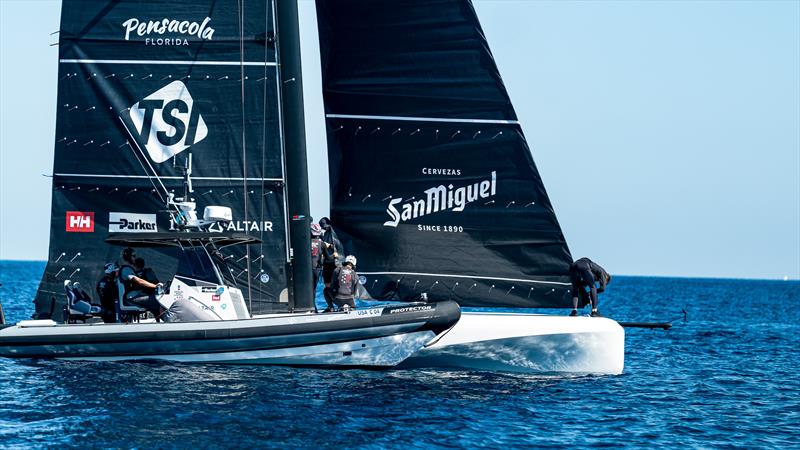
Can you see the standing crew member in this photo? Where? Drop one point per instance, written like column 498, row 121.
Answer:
column 583, row 274
column 108, row 292
column 331, row 248
column 345, row 284
column 316, row 254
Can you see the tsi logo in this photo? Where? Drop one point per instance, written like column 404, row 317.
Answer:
column 80, row 222
column 166, row 122
column 122, row 222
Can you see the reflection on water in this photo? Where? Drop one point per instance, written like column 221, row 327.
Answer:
column 726, row 378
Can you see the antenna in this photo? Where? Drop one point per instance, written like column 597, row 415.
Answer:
column 187, row 173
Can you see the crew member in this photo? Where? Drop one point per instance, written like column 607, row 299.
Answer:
column 108, row 292
column 331, row 248
column 138, row 291
column 583, row 274
column 345, row 284
column 316, row 254
column 144, row 272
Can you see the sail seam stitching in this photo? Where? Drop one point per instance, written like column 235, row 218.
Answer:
column 165, row 62
column 93, row 175
column 422, row 119
column 465, row 276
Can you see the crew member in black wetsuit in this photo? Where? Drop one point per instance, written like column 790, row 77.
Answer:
column 331, row 249
column 583, row 274
column 108, row 293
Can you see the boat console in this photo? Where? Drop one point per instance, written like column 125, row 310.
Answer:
column 215, row 299
column 198, row 291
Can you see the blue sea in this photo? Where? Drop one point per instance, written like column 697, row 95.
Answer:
column 729, row 376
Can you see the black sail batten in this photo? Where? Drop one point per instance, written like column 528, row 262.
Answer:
column 433, row 186
column 141, row 87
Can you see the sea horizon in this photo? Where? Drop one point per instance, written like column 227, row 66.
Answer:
column 688, row 277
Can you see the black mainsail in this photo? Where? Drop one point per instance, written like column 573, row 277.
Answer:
column 146, row 90
column 433, row 185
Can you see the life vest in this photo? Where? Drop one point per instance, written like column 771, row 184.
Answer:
column 316, row 251
column 107, row 292
column 346, row 283
column 126, row 284
column 333, row 246
column 147, row 274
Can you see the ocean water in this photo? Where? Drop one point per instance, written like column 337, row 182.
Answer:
column 727, row 377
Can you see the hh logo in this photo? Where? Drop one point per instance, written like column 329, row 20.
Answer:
column 166, row 122
column 80, row 222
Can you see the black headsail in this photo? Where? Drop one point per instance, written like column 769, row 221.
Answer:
column 151, row 88
column 433, row 186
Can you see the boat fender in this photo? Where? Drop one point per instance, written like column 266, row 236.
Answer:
column 37, row 323
column 187, row 310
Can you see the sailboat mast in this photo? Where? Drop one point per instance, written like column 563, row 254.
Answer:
column 288, row 36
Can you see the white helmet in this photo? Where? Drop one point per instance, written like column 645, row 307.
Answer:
column 351, row 259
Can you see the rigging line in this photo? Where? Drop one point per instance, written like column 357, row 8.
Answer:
column 278, row 90
column 155, row 188
column 240, row 4
column 264, row 140
column 166, row 192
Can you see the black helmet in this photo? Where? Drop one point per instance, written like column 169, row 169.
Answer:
column 128, row 254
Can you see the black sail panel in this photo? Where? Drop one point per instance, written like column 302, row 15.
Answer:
column 408, row 58
column 158, row 115
column 433, row 186
column 145, row 90
column 179, row 30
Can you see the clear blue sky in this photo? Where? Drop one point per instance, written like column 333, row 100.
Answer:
column 667, row 133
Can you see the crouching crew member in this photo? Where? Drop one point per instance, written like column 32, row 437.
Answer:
column 583, row 274
column 345, row 284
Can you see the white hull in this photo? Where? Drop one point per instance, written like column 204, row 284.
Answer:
column 527, row 343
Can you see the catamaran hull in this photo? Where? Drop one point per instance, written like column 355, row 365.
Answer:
column 379, row 352
column 527, row 343
column 377, row 337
